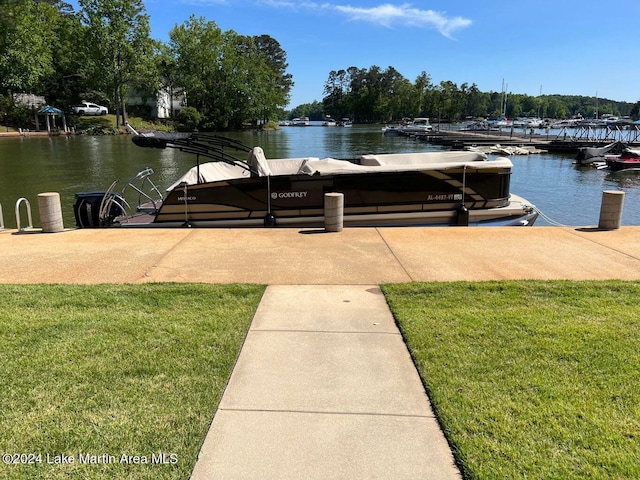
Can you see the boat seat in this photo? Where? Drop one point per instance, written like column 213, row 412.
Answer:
column 258, row 162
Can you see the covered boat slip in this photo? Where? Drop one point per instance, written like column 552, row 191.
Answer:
column 428, row 188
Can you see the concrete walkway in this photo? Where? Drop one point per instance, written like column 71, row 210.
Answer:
column 324, row 388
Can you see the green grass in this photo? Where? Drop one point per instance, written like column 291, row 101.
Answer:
column 134, row 370
column 533, row 380
column 107, row 124
column 528, row 379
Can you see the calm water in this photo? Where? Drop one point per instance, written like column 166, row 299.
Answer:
column 567, row 194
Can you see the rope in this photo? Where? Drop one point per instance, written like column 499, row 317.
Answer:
column 548, row 219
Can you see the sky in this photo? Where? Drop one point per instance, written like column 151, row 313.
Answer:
column 566, row 47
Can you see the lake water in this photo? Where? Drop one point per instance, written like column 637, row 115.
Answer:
column 567, row 194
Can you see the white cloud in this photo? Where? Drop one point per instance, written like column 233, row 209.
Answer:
column 386, row 15
column 405, row 15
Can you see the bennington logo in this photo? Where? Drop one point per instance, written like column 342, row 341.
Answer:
column 188, row 199
column 276, row 195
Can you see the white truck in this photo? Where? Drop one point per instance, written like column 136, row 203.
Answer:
column 86, row 108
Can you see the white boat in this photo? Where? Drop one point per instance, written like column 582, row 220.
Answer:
column 392, row 130
column 566, row 123
column 300, row 122
column 526, row 122
column 502, row 123
column 418, row 125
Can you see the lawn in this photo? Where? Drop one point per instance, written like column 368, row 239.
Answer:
column 92, row 373
column 530, row 379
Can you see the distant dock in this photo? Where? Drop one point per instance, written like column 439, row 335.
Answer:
column 569, row 140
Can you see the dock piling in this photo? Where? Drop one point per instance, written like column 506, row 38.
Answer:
column 611, row 210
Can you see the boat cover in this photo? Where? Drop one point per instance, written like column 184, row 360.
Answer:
column 330, row 166
column 422, row 158
column 220, row 171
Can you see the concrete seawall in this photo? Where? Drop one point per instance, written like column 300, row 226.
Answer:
column 297, row 257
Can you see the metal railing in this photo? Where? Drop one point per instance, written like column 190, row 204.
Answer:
column 18, row 221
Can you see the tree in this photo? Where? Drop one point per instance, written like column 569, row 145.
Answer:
column 425, row 94
column 312, row 110
column 196, row 46
column 69, row 56
column 276, row 85
column 120, row 46
column 229, row 78
column 336, row 89
column 26, row 35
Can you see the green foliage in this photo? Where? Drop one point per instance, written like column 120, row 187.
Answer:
column 315, row 111
column 188, row 119
column 119, row 43
column 230, row 78
column 376, row 95
column 26, row 34
column 12, row 115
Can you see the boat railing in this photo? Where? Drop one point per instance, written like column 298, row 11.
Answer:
column 111, row 206
column 149, row 195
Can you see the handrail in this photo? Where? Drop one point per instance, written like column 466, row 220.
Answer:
column 108, row 200
column 144, row 178
column 30, row 225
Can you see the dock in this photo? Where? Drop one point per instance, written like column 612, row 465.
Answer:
column 568, row 140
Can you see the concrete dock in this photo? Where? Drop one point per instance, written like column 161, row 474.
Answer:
column 358, row 256
column 324, row 386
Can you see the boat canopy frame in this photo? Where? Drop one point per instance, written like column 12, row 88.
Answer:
column 199, row 144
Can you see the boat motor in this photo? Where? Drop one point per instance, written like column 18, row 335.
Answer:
column 88, row 206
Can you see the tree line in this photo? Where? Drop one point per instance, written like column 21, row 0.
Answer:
column 375, row 95
column 104, row 51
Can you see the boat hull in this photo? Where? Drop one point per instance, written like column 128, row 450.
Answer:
column 374, row 199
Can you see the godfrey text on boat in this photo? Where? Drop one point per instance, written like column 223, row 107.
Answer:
column 430, row 188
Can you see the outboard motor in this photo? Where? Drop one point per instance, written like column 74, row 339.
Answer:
column 87, row 209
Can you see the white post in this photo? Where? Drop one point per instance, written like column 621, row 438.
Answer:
column 50, row 212
column 611, row 210
column 333, row 212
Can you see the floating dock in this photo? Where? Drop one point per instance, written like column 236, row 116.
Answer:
column 569, row 140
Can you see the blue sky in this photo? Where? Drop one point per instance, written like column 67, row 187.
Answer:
column 571, row 47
